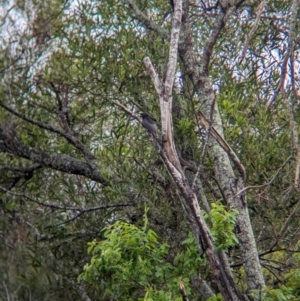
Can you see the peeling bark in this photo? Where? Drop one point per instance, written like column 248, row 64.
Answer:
column 170, row 158
column 228, row 181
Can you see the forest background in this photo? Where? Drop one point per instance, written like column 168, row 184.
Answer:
column 94, row 207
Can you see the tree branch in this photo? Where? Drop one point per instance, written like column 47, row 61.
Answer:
column 292, row 25
column 146, row 21
column 173, row 50
column 171, row 160
column 10, row 144
column 23, row 170
column 211, row 41
column 58, row 207
column 259, row 12
column 223, row 143
column 69, row 137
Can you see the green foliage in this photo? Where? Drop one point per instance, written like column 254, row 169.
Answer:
column 218, row 297
column 289, row 288
column 293, row 277
column 189, row 262
column 86, row 55
column 282, row 294
column 130, row 263
column 223, row 223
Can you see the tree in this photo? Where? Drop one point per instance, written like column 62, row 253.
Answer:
column 219, row 77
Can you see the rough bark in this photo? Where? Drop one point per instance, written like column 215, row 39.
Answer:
column 9, row 143
column 197, row 70
column 170, row 158
column 230, row 184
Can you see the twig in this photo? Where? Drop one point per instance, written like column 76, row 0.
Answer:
column 55, row 206
column 84, row 296
column 146, row 21
column 259, row 11
column 211, row 41
column 182, row 291
column 294, row 140
column 77, row 234
column 222, row 142
column 205, row 147
column 278, row 250
column 6, row 290
column 64, row 222
column 268, row 267
column 284, row 227
column 28, row 169
column 9, row 143
column 70, row 138
column 292, row 25
column 270, row 182
column 126, row 110
column 13, row 62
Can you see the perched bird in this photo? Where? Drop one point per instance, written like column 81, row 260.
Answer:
column 149, row 124
column 172, row 4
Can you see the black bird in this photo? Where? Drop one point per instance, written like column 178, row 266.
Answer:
column 149, row 124
column 172, row 4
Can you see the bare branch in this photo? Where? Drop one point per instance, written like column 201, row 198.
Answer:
column 208, row 48
column 79, row 210
column 173, row 49
column 222, row 142
column 270, row 182
column 63, row 111
column 10, row 144
column 146, row 21
column 154, row 77
column 292, row 26
column 7, row 14
column 13, row 62
column 211, row 41
column 159, row 88
column 293, row 73
column 84, row 296
column 171, row 160
column 284, row 228
column 294, row 140
column 259, row 12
